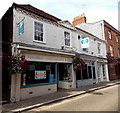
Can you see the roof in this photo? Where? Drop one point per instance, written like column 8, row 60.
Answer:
column 36, row 11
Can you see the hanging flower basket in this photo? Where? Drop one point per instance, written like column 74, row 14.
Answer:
column 16, row 63
column 78, row 63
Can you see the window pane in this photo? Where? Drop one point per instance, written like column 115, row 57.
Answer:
column 84, row 72
column 94, row 75
column 38, row 31
column 90, row 72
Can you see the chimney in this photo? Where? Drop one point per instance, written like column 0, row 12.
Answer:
column 79, row 20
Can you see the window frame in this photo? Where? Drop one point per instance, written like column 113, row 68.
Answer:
column 39, row 41
column 117, row 39
column 99, row 48
column 109, row 35
column 111, row 48
column 67, row 38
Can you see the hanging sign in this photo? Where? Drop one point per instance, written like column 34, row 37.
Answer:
column 85, row 43
column 40, row 74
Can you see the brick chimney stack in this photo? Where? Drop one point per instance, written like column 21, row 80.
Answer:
column 79, row 20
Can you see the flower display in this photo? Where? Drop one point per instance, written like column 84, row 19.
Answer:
column 78, row 63
column 16, row 63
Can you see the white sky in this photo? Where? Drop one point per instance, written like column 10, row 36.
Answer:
column 94, row 10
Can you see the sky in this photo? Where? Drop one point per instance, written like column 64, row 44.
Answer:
column 94, row 10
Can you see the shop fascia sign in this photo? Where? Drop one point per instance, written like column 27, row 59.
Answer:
column 85, row 43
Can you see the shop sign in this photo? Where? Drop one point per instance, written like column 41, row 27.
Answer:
column 85, row 43
column 40, row 74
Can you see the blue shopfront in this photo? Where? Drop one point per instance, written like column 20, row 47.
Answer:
column 46, row 73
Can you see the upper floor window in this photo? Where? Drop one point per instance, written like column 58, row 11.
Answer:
column 67, row 38
column 109, row 35
column 99, row 48
column 111, row 50
column 38, row 31
column 21, row 28
column 117, row 39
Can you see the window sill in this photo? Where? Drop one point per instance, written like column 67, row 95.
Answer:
column 68, row 47
column 42, row 42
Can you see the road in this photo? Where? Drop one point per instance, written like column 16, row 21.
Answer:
column 101, row 100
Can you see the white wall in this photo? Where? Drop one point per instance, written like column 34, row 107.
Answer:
column 94, row 28
column 53, row 33
column 30, row 92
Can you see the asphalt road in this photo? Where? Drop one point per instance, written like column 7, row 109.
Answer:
column 101, row 100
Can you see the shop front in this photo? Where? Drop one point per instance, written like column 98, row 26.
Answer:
column 86, row 74
column 46, row 73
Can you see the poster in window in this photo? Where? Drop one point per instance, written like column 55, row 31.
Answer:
column 40, row 74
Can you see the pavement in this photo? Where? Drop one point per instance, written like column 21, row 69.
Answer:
column 62, row 94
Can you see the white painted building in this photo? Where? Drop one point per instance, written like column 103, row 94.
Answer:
column 94, row 56
column 49, row 45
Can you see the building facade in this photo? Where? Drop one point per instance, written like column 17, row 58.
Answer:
column 105, row 31
column 49, row 46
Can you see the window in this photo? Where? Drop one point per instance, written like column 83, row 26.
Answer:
column 85, row 49
column 88, row 72
column 117, row 39
column 109, row 35
column 103, row 69
column 67, row 38
column 99, row 48
column 21, row 28
column 38, row 73
column 66, row 72
column 38, row 31
column 111, row 49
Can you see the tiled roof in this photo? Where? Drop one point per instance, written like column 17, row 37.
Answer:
column 39, row 12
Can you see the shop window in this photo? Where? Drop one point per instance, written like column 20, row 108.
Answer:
column 38, row 73
column 90, row 72
column 94, row 75
column 78, row 75
column 67, row 38
column 38, row 31
column 84, row 72
column 65, row 71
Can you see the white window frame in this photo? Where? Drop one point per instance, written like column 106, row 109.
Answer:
column 99, row 48
column 44, row 40
column 109, row 35
column 67, row 38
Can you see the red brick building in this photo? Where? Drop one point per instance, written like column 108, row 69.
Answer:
column 112, row 37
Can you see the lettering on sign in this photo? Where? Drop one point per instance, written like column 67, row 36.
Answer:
column 40, row 74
